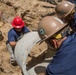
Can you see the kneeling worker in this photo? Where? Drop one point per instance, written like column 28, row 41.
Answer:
column 15, row 34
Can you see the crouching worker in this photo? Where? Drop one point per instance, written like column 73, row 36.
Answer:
column 56, row 34
column 15, row 34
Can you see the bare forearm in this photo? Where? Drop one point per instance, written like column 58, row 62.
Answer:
column 13, row 44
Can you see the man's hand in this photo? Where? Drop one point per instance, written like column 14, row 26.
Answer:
column 41, row 74
column 13, row 43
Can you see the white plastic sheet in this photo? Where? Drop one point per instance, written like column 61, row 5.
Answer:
column 23, row 48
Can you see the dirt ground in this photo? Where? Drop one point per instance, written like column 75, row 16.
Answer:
column 31, row 11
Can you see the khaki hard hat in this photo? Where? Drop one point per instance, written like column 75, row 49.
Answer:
column 64, row 8
column 48, row 26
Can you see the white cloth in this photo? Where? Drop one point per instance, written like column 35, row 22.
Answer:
column 23, row 48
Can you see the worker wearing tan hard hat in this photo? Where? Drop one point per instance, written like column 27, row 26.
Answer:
column 65, row 10
column 56, row 34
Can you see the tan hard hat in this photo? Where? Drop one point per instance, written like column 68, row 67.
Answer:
column 48, row 26
column 64, row 8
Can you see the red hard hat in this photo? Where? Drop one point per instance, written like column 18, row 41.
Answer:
column 17, row 22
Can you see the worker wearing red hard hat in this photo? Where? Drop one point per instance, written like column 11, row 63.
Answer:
column 15, row 34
